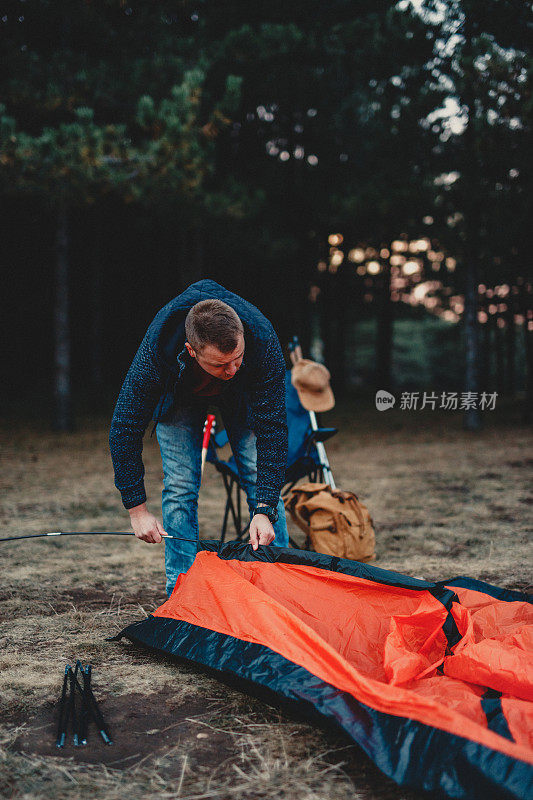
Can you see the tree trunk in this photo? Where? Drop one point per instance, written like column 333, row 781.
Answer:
column 198, row 254
column 62, row 420
column 472, row 416
column 499, row 342
column 305, row 267
column 337, row 345
column 327, row 317
column 485, row 376
column 528, row 342
column 510, row 349
column 297, row 216
column 97, row 319
column 192, row 262
column 384, row 332
column 178, row 260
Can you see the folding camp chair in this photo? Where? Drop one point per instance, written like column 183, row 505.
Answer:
column 306, row 459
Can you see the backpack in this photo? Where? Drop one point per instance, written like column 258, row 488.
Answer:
column 336, row 522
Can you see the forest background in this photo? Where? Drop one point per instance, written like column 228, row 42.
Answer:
column 361, row 170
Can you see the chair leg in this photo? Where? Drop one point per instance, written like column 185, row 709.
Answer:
column 287, row 489
column 242, row 534
column 238, row 502
column 234, row 512
column 234, row 507
column 225, row 521
column 230, row 506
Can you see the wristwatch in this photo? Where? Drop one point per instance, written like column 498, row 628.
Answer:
column 268, row 511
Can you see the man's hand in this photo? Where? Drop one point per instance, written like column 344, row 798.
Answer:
column 145, row 526
column 261, row 531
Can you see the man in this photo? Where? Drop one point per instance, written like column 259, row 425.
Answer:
column 206, row 346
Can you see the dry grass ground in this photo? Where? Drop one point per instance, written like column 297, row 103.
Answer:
column 444, row 503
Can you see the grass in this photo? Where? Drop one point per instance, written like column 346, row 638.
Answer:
column 444, row 503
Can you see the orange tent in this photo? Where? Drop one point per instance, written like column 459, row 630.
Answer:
column 433, row 680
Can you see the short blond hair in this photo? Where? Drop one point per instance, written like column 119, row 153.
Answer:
column 213, row 322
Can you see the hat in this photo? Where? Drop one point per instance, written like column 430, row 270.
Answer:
column 311, row 381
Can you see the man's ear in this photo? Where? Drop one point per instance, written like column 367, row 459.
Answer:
column 190, row 350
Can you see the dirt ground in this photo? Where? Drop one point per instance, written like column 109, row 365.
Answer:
column 444, row 503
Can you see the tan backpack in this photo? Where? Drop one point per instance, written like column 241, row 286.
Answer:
column 335, row 522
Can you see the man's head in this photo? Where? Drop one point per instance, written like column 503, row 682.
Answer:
column 215, row 338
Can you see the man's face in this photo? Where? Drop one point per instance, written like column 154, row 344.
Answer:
column 218, row 364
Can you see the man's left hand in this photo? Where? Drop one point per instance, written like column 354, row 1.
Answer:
column 261, row 531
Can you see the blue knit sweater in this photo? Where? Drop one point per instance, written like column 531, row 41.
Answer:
column 156, row 382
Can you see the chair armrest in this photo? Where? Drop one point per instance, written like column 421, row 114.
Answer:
column 320, row 435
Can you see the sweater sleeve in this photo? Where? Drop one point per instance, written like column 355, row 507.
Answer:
column 135, row 405
column 270, row 418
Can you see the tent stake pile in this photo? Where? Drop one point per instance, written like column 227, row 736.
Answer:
column 68, row 712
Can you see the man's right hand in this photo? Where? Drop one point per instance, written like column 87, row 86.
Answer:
column 145, row 526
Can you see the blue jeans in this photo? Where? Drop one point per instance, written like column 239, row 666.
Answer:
column 180, row 442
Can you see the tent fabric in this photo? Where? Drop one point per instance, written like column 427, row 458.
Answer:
column 433, row 680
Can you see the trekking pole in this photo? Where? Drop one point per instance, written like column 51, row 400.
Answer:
column 62, row 724
column 103, row 729
column 85, row 711
column 94, row 708
column 71, row 708
column 75, row 719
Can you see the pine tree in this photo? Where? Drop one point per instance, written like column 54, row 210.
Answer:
column 484, row 57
